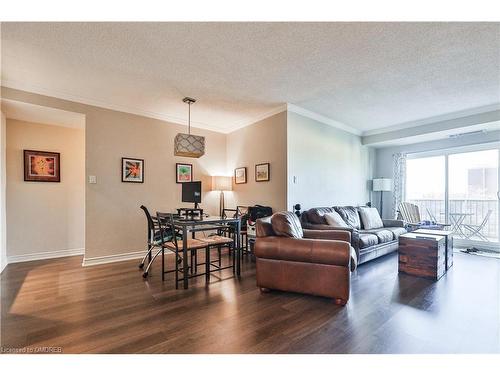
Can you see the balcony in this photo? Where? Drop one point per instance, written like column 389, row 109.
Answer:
column 476, row 211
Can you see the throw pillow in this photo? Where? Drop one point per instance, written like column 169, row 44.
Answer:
column 317, row 215
column 287, row 224
column 370, row 218
column 350, row 215
column 335, row 220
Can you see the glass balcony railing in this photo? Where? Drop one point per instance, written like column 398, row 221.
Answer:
column 473, row 210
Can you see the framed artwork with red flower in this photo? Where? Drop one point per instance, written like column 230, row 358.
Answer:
column 42, row 166
column 132, row 170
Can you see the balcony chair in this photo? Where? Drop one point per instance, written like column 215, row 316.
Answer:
column 475, row 230
column 410, row 214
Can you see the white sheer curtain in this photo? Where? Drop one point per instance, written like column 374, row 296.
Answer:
column 398, row 178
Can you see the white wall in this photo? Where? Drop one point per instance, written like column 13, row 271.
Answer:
column 45, row 219
column 384, row 163
column 330, row 165
column 3, row 179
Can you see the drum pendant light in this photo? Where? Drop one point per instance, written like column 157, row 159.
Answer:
column 189, row 145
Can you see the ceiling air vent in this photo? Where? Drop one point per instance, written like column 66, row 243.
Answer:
column 458, row 135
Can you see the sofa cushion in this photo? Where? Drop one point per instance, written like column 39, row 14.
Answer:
column 383, row 235
column 317, row 215
column 396, row 231
column 350, row 215
column 370, row 218
column 367, row 240
column 335, row 220
column 286, row 224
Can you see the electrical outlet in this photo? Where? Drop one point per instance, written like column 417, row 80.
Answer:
column 92, row 179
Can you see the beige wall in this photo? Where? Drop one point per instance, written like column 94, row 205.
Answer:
column 42, row 216
column 331, row 166
column 114, row 223
column 262, row 142
column 3, row 182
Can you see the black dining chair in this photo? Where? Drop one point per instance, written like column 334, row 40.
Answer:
column 175, row 245
column 229, row 230
column 155, row 238
column 153, row 233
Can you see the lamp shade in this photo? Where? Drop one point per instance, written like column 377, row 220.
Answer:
column 189, row 145
column 382, row 184
column 222, row 183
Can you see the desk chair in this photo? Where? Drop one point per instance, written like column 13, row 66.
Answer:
column 155, row 239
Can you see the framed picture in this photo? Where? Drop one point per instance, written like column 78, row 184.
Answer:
column 262, row 172
column 240, row 175
column 132, row 170
column 183, row 173
column 42, row 166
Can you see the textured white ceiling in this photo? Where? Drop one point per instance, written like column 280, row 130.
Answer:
column 365, row 75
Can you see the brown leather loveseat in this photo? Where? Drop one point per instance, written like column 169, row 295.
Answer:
column 315, row 262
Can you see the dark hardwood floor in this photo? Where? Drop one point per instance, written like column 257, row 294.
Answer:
column 110, row 309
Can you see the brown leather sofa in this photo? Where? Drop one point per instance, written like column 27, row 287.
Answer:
column 289, row 258
column 368, row 243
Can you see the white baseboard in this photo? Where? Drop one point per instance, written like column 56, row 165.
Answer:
column 112, row 258
column 44, row 255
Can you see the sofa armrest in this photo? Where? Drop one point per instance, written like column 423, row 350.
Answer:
column 393, row 223
column 354, row 233
column 304, row 250
column 341, row 235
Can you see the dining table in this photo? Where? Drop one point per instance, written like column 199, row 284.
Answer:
column 200, row 223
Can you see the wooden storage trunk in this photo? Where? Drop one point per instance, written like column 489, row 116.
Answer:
column 448, row 234
column 422, row 255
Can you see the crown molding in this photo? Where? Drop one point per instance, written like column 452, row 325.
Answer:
column 114, row 107
column 323, row 119
column 263, row 116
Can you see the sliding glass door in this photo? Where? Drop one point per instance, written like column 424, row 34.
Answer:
column 458, row 187
column 473, row 202
column 425, row 186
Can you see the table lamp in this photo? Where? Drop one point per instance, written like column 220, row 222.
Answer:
column 222, row 184
column 382, row 184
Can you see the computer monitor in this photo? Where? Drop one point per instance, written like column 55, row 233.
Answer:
column 191, row 192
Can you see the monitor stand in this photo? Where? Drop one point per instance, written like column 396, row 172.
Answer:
column 191, row 212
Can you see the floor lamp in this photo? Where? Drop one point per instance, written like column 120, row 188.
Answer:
column 222, row 184
column 382, row 184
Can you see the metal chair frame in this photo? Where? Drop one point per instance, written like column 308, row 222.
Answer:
column 475, row 230
column 155, row 240
column 237, row 212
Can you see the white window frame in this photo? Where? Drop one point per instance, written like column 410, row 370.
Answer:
column 459, row 150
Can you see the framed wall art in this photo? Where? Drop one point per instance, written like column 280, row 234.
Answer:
column 183, row 173
column 42, row 166
column 262, row 172
column 240, row 175
column 132, row 170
